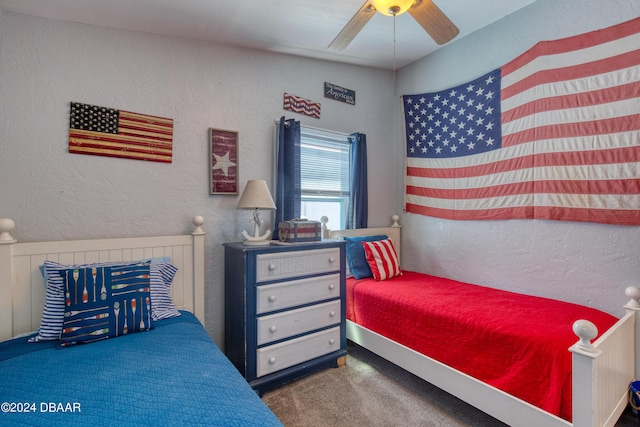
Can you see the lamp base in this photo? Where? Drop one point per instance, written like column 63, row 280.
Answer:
column 256, row 242
column 256, row 239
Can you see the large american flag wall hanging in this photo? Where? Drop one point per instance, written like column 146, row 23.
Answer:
column 115, row 133
column 553, row 134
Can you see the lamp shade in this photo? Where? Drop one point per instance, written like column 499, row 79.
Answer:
column 256, row 195
column 392, row 7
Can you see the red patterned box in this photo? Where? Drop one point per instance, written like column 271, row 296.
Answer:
column 296, row 231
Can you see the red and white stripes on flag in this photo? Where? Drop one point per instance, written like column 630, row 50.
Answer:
column 569, row 143
column 109, row 132
column 301, row 106
column 382, row 259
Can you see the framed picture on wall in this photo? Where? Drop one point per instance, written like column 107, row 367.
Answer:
column 223, row 161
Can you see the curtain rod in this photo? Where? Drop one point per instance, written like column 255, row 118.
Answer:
column 277, row 121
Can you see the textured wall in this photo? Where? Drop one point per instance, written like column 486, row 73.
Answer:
column 590, row 264
column 51, row 194
column 45, row 64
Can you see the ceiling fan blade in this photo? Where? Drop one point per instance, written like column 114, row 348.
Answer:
column 434, row 21
column 353, row 27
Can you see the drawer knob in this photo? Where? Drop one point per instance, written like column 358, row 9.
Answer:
column 272, row 267
column 272, row 298
column 273, row 328
column 332, row 287
column 332, row 341
column 332, row 314
column 332, row 259
column 272, row 360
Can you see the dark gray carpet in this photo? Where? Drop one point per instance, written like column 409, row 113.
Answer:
column 370, row 391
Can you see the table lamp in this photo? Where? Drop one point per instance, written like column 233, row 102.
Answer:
column 256, row 196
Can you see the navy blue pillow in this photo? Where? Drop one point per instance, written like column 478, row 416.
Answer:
column 356, row 256
column 105, row 302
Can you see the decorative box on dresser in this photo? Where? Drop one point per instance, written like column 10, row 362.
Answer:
column 284, row 310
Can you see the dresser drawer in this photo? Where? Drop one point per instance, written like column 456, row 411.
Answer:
column 297, row 292
column 283, row 265
column 293, row 322
column 279, row 356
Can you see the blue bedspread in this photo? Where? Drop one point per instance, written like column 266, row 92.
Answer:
column 172, row 375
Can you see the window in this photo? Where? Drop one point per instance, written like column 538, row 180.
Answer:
column 324, row 175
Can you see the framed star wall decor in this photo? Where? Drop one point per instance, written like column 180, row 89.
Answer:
column 223, row 161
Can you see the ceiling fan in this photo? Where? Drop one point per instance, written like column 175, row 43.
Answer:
column 428, row 15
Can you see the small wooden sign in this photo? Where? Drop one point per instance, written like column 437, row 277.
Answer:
column 301, row 105
column 339, row 93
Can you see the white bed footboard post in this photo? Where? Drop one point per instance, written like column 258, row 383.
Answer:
column 582, row 392
column 633, row 306
column 603, row 370
column 583, row 363
column 198, row 268
column 6, row 311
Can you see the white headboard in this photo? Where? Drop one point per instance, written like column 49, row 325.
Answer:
column 22, row 287
column 393, row 231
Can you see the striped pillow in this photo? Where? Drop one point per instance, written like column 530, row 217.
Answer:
column 382, row 259
column 162, row 273
column 358, row 266
column 53, row 310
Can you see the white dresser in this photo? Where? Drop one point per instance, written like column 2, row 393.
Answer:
column 284, row 310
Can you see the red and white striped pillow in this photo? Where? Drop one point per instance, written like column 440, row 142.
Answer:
column 382, row 259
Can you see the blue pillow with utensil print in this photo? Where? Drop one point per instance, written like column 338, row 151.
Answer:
column 162, row 274
column 105, row 302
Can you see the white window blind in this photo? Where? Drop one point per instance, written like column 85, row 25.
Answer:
column 325, row 174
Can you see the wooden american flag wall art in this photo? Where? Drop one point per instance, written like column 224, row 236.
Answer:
column 301, row 105
column 109, row 132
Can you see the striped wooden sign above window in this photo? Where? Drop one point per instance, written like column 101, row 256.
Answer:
column 301, row 106
column 109, row 132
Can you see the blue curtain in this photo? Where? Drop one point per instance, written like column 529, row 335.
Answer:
column 358, row 210
column 288, row 188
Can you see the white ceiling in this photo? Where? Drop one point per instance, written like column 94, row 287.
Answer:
column 298, row 27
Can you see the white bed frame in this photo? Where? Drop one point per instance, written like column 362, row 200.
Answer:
column 22, row 288
column 602, row 370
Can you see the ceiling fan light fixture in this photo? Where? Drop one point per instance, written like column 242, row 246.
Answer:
column 392, row 7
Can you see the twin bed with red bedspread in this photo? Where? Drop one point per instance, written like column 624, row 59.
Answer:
column 425, row 313
column 511, row 355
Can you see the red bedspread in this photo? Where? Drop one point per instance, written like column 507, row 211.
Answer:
column 517, row 343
